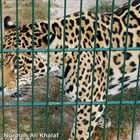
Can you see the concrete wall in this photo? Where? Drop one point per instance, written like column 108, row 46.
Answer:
column 74, row 5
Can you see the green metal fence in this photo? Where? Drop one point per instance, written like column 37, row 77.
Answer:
column 62, row 103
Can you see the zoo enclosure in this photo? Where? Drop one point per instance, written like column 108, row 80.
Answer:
column 63, row 103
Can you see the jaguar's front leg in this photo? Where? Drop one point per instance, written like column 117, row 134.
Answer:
column 85, row 125
column 88, row 116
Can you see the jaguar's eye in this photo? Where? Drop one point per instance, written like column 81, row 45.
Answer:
column 16, row 67
column 17, row 64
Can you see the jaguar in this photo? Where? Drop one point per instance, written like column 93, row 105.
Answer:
column 79, row 53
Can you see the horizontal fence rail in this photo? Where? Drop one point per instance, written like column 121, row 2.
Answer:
column 56, row 103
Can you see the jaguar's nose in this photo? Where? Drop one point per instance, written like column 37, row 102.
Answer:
column 18, row 95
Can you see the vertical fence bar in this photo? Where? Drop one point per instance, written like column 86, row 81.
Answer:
column 136, row 97
column 2, row 73
column 108, row 72
column 33, row 67
column 48, row 60
column 78, row 67
column 94, row 56
column 123, row 70
column 63, row 66
column 17, row 64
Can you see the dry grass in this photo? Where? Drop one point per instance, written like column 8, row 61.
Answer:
column 25, row 10
column 103, row 7
column 121, row 116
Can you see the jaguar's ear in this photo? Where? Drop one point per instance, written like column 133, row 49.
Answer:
column 8, row 24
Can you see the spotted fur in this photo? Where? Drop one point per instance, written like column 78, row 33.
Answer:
column 89, row 60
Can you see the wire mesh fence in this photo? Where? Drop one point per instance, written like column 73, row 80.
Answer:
column 93, row 55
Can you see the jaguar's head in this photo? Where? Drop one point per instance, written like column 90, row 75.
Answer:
column 19, row 67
